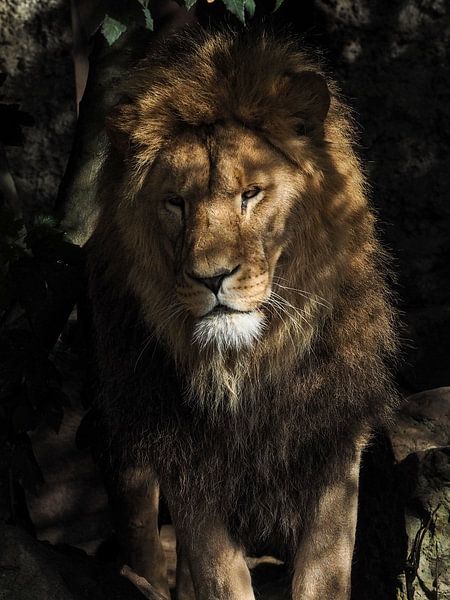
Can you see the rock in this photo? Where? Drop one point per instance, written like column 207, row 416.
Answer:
column 421, row 442
column 32, row 570
column 72, row 506
column 423, row 423
column 426, row 476
column 36, row 55
column 403, row 534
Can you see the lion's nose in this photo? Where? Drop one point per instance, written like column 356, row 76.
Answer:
column 214, row 283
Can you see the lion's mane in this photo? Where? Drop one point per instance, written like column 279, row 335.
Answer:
column 309, row 389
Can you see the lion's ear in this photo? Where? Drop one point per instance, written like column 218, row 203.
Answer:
column 120, row 122
column 309, row 98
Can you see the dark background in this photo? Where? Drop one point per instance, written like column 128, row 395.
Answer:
column 391, row 59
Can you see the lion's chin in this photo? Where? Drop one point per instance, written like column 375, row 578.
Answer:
column 228, row 330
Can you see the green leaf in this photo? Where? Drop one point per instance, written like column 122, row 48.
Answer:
column 147, row 14
column 148, row 18
column 45, row 220
column 250, row 7
column 112, row 29
column 189, row 3
column 237, row 8
column 278, row 3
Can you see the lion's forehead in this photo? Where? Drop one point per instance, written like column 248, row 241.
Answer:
column 185, row 163
column 226, row 160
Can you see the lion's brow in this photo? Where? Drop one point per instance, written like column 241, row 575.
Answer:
column 212, row 152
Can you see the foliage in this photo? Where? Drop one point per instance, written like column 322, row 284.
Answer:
column 40, row 279
column 112, row 29
column 136, row 13
column 125, row 15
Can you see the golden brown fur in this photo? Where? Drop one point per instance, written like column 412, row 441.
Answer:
column 278, row 413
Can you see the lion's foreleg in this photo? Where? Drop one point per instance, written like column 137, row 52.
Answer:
column 324, row 558
column 216, row 563
column 134, row 500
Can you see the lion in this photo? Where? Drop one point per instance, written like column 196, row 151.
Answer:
column 244, row 328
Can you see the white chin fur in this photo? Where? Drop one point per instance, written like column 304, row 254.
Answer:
column 234, row 330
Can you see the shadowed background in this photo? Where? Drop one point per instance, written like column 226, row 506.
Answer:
column 391, row 59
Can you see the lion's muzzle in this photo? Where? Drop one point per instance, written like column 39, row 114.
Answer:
column 214, row 282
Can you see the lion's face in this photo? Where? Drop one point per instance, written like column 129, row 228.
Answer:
column 233, row 210
column 216, row 204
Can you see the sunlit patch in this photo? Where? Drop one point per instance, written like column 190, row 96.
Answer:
column 232, row 330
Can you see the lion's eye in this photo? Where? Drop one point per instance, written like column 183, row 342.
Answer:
column 248, row 195
column 175, row 203
column 251, row 193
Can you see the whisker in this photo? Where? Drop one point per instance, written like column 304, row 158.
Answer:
column 310, row 295
column 271, row 304
column 283, row 306
column 298, row 311
column 294, row 322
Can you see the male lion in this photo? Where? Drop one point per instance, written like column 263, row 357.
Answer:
column 242, row 321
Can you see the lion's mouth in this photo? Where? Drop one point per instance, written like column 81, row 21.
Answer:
column 223, row 309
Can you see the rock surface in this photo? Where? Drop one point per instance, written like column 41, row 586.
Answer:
column 421, row 443
column 35, row 54
column 423, row 424
column 31, row 570
column 72, row 506
column 426, row 477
